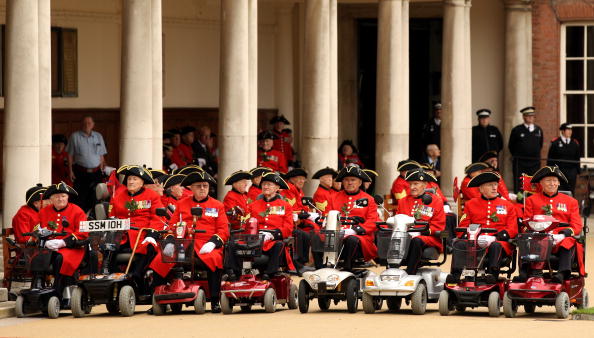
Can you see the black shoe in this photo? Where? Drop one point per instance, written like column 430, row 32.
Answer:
column 490, row 279
column 557, row 278
column 265, row 276
column 215, row 307
column 452, row 279
column 150, row 311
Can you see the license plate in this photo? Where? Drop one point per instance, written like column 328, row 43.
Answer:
column 105, row 225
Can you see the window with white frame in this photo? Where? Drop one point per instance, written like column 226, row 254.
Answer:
column 577, row 83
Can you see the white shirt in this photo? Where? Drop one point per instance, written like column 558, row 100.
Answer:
column 529, row 127
column 437, row 121
column 565, row 140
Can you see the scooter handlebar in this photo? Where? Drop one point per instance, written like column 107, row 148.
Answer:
column 381, row 228
column 199, row 231
column 236, row 231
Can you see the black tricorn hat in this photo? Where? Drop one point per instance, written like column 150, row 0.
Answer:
column 266, row 134
column 138, row 171
column 59, row 189
column 238, row 176
column 174, row 131
column 173, row 180
column 352, row 171
column 488, row 155
column 161, row 179
column 475, row 167
column 548, row 171
column 323, row 172
column 482, row 178
column 279, row 118
column 57, row 138
column 406, row 165
column 190, row 168
column 198, row 176
column 296, row 172
column 259, row 171
column 371, row 173
column 483, row 112
column 276, row 179
column 419, row 175
column 156, row 173
column 34, row 194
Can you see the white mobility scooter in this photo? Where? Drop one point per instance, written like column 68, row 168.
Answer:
column 394, row 284
column 331, row 283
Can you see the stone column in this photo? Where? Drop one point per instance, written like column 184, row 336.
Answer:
column 253, row 86
column 333, row 145
column 136, row 117
column 21, row 119
column 456, row 125
column 234, row 117
column 157, row 90
column 518, row 70
column 317, row 148
column 45, row 92
column 392, row 120
column 284, row 65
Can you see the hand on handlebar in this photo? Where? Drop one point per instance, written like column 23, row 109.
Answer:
column 349, row 232
column 149, row 240
column 207, row 248
column 55, row 244
column 558, row 238
column 485, row 240
column 267, row 236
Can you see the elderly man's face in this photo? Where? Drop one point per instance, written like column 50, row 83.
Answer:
column 241, row 185
column 188, row 138
column 88, row 124
column 326, row 181
column 351, row 184
column 298, row 181
column 60, row 200
column 267, row 144
column 550, row 185
column 489, row 190
column 417, row 188
column 204, row 135
column 175, row 140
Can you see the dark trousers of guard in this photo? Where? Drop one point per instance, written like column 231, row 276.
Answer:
column 301, row 254
column 84, row 184
column 274, row 254
column 351, row 251
column 414, row 255
column 520, row 167
column 571, row 174
column 493, row 258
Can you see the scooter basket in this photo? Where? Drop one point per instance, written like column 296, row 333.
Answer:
column 326, row 240
column 391, row 248
column 246, row 245
column 37, row 259
column 535, row 247
column 467, row 254
column 183, row 250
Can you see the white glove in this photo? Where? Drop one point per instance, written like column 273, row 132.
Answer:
column 414, row 234
column 267, row 236
column 55, row 244
column 168, row 250
column 485, row 240
column 295, row 217
column 313, row 216
column 201, row 162
column 149, row 240
column 447, row 209
column 349, row 232
column 557, row 238
column 207, row 248
column 512, row 196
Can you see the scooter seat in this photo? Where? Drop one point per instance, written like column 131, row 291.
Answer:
column 430, row 254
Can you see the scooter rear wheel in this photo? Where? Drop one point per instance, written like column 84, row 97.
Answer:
column 529, row 308
column 158, row 309
column 293, row 297
column 419, row 300
column 368, row 303
column 303, row 296
column 324, row 303
column 394, row 303
column 352, row 295
column 562, row 305
column 19, row 308
column 270, row 300
column 200, row 302
column 510, row 308
column 226, row 306
column 53, row 307
column 127, row 301
column 113, row 308
column 77, row 300
column 494, row 304
column 445, row 305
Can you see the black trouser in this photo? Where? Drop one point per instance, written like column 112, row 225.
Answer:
column 274, row 258
column 571, row 174
column 139, row 267
column 84, row 184
column 520, row 167
column 301, row 254
column 565, row 259
column 414, row 255
column 351, row 250
column 60, row 281
column 214, row 281
column 493, row 259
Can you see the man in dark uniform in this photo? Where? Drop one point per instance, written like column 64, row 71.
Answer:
column 525, row 143
column 564, row 148
column 485, row 137
column 431, row 130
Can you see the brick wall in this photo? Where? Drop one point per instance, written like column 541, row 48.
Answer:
column 547, row 17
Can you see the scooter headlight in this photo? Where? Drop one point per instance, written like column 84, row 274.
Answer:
column 390, row 278
column 313, row 278
column 84, row 277
column 332, row 278
column 116, row 275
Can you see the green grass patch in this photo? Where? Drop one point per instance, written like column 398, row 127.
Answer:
column 588, row 311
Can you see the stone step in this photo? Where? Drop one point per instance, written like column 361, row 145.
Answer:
column 7, row 309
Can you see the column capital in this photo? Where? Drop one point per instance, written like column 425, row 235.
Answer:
column 460, row 3
column 518, row 5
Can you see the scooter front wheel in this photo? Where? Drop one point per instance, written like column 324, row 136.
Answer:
column 53, row 307
column 352, row 295
column 19, row 308
column 270, row 300
column 76, row 303
column 419, row 300
column 226, row 306
column 158, row 309
column 494, row 304
column 200, row 302
column 293, row 297
column 127, row 301
column 303, row 296
column 444, row 303
column 510, row 308
column 562, row 305
column 368, row 303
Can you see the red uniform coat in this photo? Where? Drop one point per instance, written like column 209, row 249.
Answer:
column 322, row 197
column 253, row 192
column 53, row 219
column 432, row 213
column 213, row 221
column 24, row 221
column 182, row 155
column 283, row 145
column 60, row 167
column 272, row 159
column 498, row 213
column 344, row 161
column 235, row 199
column 400, row 189
column 140, row 209
column 345, row 204
column 293, row 195
column 565, row 209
